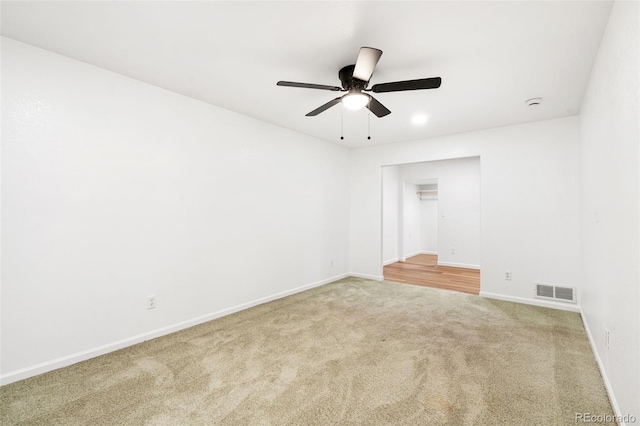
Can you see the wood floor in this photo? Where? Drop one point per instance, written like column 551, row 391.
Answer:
column 423, row 270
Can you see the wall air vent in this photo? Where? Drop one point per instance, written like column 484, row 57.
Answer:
column 560, row 294
column 545, row 291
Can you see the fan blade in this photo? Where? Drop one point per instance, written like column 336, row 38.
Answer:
column 399, row 86
column 365, row 64
column 324, row 107
column 309, row 86
column 377, row 108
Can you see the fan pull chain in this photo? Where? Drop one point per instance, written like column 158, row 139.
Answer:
column 342, row 123
column 369, row 125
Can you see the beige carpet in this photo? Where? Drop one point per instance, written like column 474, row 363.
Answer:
column 354, row 352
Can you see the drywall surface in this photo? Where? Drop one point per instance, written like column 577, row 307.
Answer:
column 529, row 202
column 610, row 199
column 410, row 220
column 429, row 226
column 390, row 206
column 458, row 207
column 114, row 190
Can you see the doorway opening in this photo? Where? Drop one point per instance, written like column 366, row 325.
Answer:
column 431, row 224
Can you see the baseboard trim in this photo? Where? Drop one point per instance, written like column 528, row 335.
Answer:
column 459, row 265
column 415, row 253
column 535, row 302
column 603, row 373
column 429, row 252
column 366, row 276
column 389, row 262
column 68, row 360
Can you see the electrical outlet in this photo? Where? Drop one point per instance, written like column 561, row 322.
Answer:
column 453, row 250
column 507, row 275
column 606, row 337
column 151, row 302
column 331, row 263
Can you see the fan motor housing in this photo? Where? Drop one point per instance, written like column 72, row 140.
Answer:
column 348, row 81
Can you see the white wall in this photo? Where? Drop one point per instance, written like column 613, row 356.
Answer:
column 610, row 198
column 458, row 207
column 529, row 202
column 114, row 190
column 410, row 220
column 390, row 208
column 429, row 226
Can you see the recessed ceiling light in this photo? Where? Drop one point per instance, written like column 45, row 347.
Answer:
column 419, row 119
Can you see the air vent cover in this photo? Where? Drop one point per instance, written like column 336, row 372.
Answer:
column 544, row 290
column 561, row 294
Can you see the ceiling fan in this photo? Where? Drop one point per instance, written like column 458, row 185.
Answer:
column 355, row 79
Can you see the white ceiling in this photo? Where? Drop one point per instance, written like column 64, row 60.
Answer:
column 492, row 56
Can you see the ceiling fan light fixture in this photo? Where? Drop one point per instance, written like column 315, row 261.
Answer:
column 355, row 79
column 355, row 100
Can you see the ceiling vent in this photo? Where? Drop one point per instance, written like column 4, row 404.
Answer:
column 557, row 293
column 533, row 101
